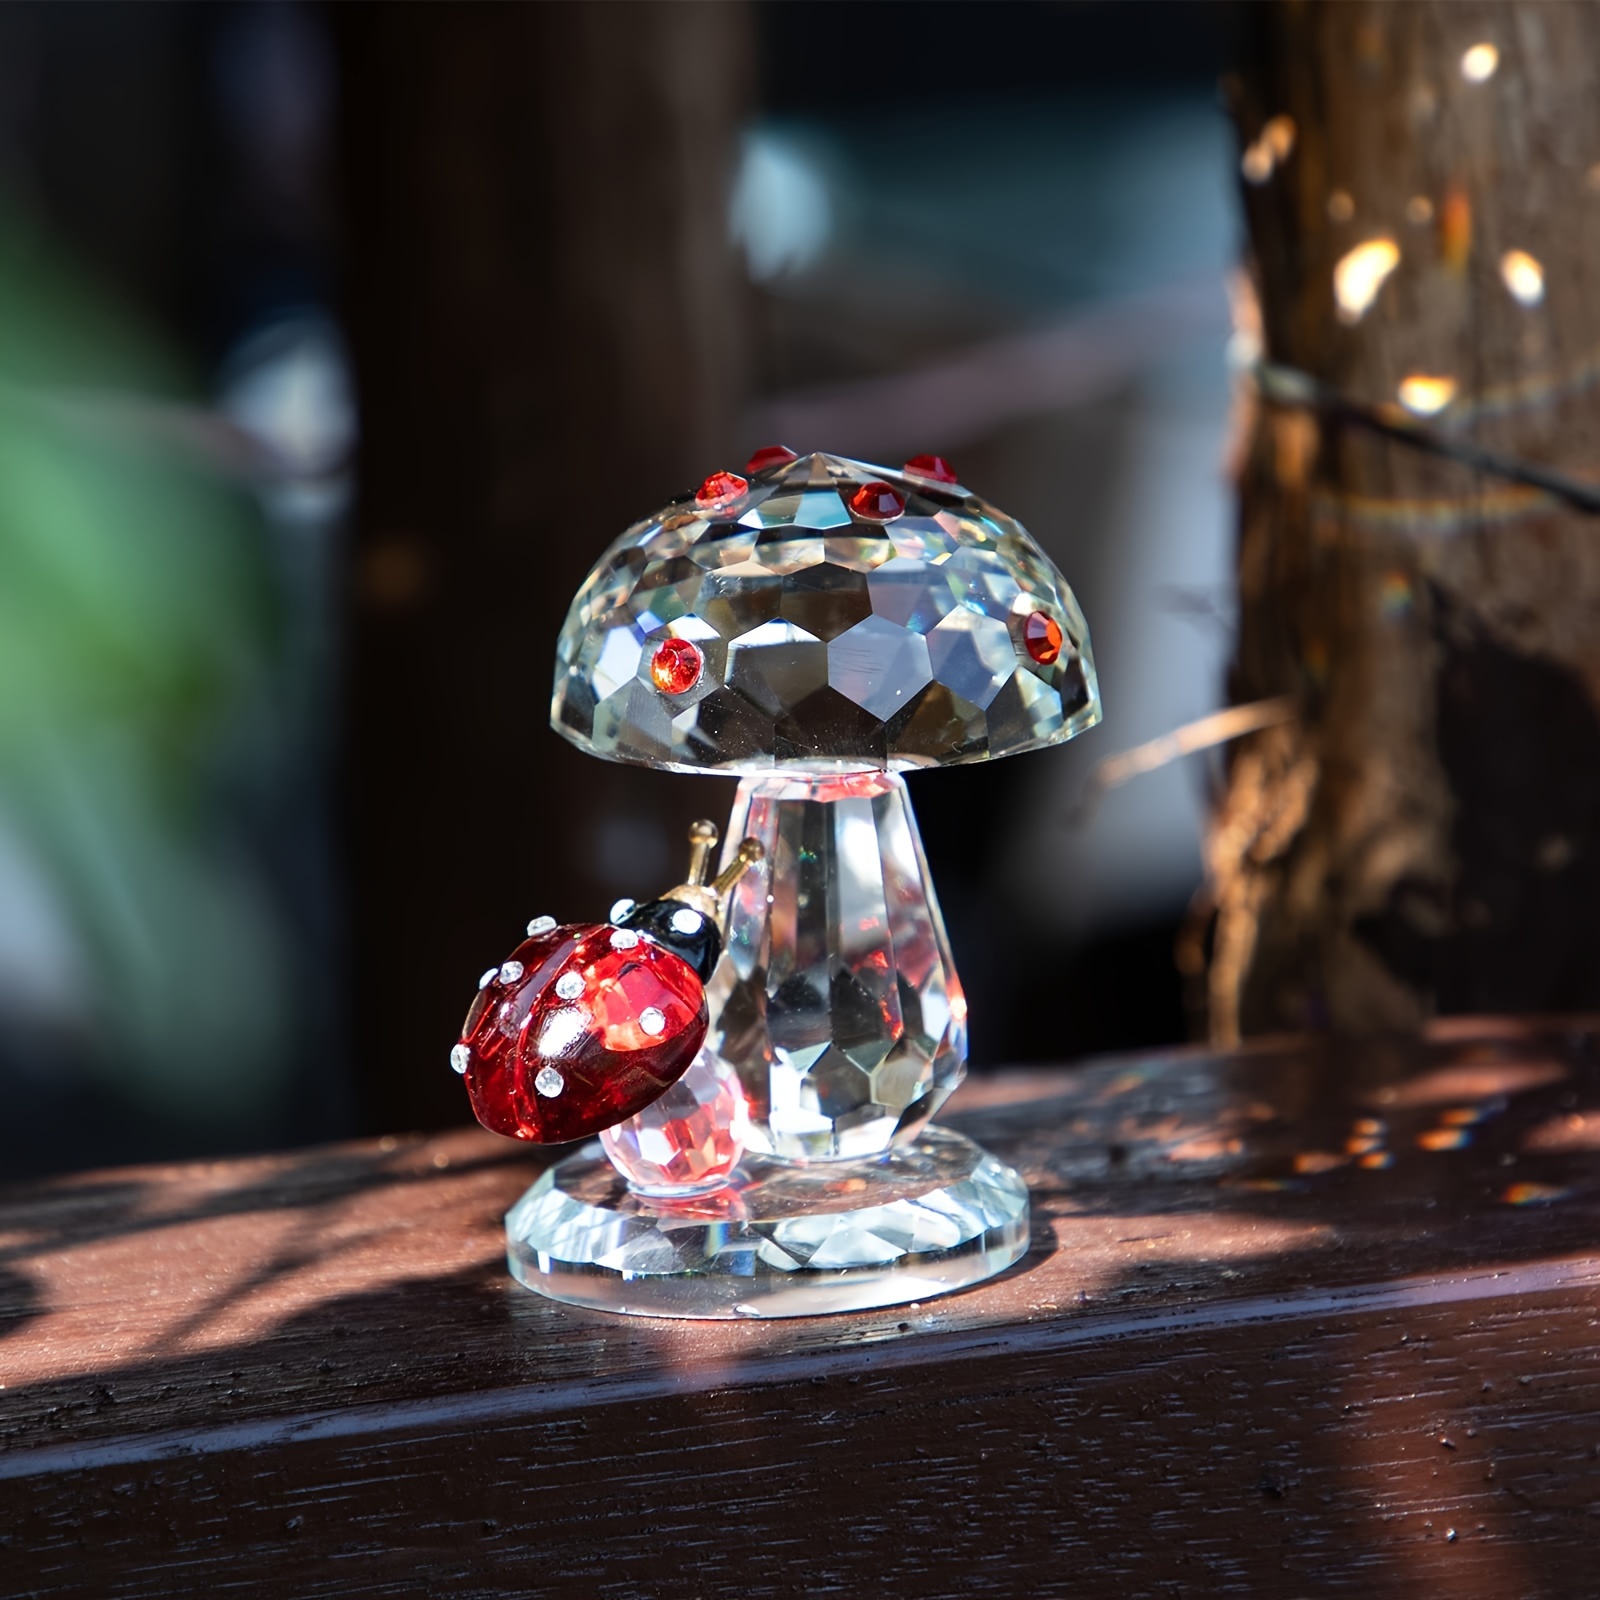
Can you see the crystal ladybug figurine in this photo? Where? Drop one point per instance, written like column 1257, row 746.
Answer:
column 586, row 1024
column 816, row 626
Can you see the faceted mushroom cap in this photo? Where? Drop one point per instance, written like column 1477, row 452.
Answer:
column 823, row 614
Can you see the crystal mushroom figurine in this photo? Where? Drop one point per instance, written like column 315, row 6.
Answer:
column 816, row 626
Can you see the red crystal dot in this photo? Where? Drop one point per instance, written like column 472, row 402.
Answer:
column 720, row 488
column 599, row 1062
column 676, row 666
column 935, row 467
column 770, row 455
column 1042, row 635
column 877, row 502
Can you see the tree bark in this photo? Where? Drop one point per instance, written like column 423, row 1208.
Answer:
column 545, row 314
column 1425, row 835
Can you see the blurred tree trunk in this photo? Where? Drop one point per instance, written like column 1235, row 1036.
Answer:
column 1425, row 837
column 545, row 316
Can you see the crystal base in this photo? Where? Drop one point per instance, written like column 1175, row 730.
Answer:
column 778, row 1240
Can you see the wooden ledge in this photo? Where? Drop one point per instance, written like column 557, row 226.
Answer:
column 1303, row 1318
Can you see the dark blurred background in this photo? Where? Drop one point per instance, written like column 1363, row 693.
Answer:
column 336, row 343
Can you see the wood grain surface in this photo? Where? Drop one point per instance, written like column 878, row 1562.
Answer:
column 1302, row 1319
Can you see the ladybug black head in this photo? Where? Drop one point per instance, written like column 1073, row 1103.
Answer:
column 681, row 929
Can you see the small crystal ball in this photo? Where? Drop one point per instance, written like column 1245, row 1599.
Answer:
column 690, row 1139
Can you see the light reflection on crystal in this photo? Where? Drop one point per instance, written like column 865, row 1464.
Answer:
column 879, row 665
column 836, row 998
column 687, row 1141
column 775, row 1240
column 972, row 652
column 830, row 641
column 618, row 662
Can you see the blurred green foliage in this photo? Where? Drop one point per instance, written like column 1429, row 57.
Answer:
column 138, row 630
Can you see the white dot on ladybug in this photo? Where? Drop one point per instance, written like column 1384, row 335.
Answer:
column 653, row 1022
column 488, row 977
column 541, row 926
column 460, row 1058
column 624, row 939
column 569, row 986
column 549, row 1082
column 510, row 971
column 621, row 909
column 686, row 921
column 562, row 1030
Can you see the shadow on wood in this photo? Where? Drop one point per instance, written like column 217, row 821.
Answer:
column 1303, row 1318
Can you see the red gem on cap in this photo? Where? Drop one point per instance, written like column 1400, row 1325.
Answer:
column 1041, row 633
column 935, row 467
column 676, row 666
column 877, row 502
column 768, row 456
column 719, row 488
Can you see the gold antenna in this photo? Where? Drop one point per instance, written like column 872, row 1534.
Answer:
column 702, row 841
column 745, row 857
column 708, row 898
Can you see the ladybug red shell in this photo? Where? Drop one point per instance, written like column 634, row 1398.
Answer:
column 587, row 1023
